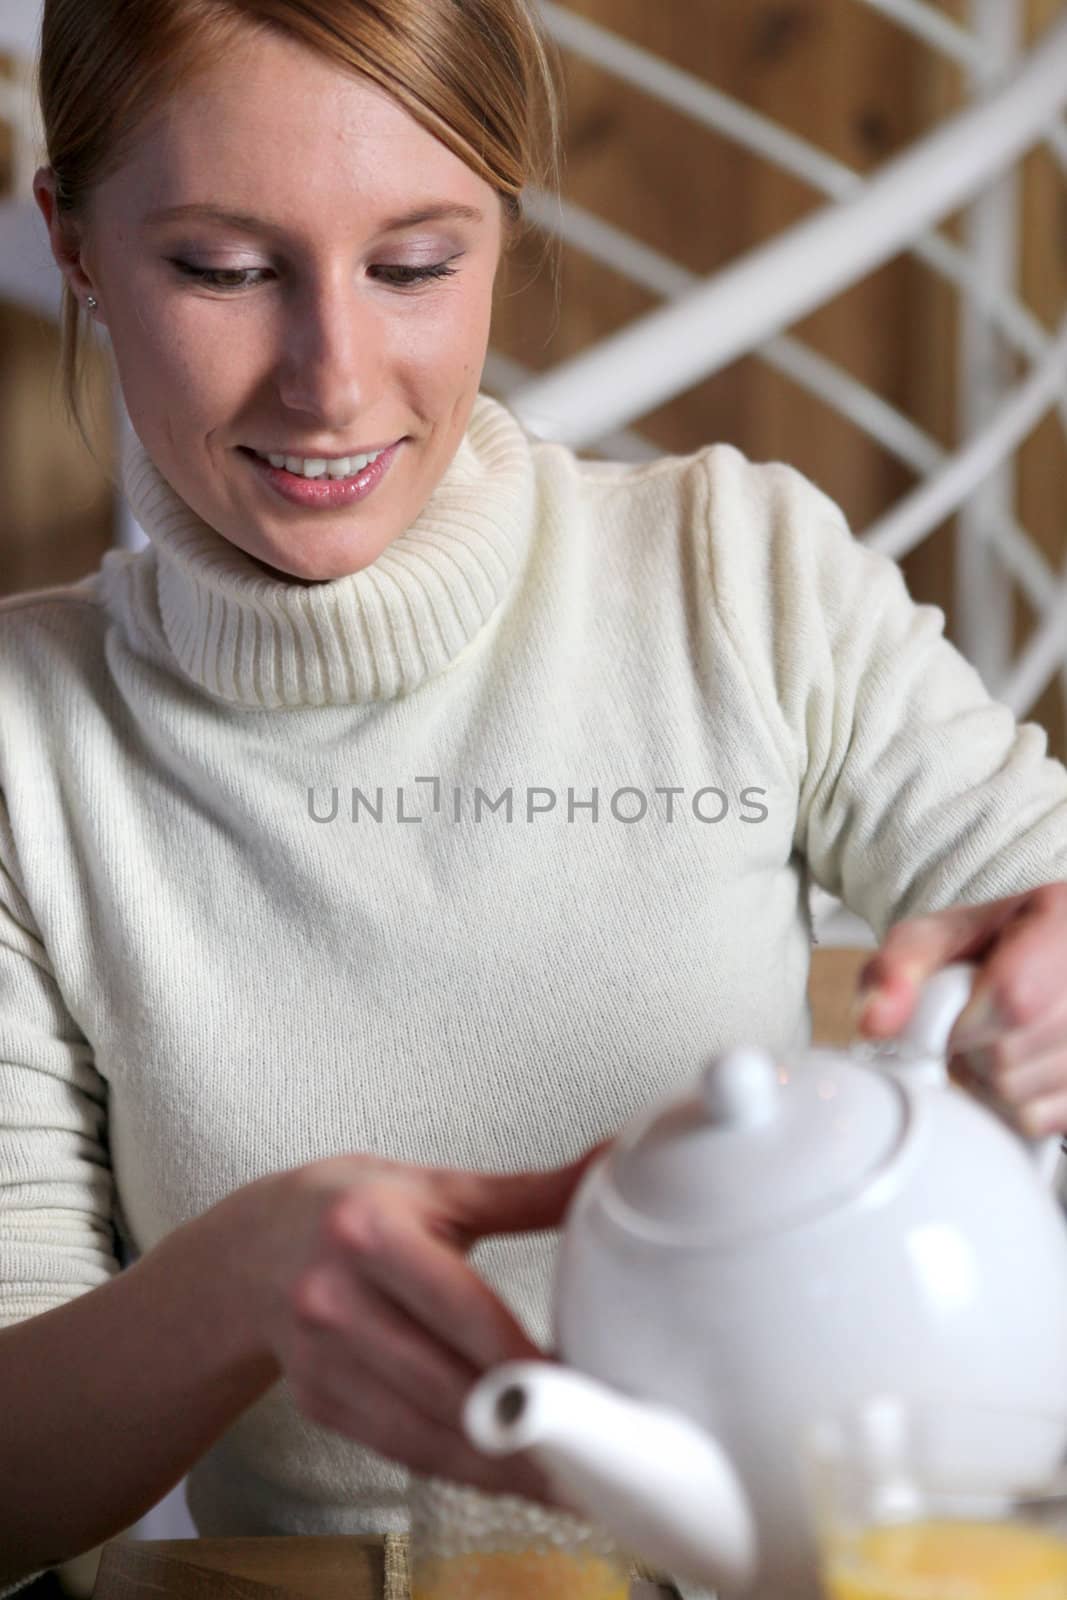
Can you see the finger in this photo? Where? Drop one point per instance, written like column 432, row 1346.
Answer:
column 1033, row 1117
column 1022, row 981
column 999, row 1055
column 922, row 945
column 1038, row 1119
column 1034, row 1079
column 430, row 1281
column 478, row 1204
column 383, row 1419
column 918, row 947
column 360, row 1331
column 1042, row 1076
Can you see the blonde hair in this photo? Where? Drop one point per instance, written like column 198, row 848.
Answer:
column 478, row 74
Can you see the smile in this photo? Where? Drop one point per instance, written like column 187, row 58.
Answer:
column 321, row 466
column 339, row 483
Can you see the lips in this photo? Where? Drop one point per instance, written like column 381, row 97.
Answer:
column 322, row 493
column 310, row 452
column 321, row 455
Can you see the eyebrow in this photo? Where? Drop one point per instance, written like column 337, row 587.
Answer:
column 435, row 212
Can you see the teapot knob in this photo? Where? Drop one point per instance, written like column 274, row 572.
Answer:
column 740, row 1088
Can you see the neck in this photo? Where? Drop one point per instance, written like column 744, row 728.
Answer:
column 256, row 637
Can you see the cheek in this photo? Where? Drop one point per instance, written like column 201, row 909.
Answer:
column 447, row 338
column 191, row 367
column 174, row 346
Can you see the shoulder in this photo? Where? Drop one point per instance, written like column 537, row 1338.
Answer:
column 770, row 496
column 776, row 542
column 66, row 621
column 65, row 616
column 734, row 521
column 717, row 481
column 643, row 507
column 53, row 653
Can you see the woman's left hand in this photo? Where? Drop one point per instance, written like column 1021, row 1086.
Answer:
column 1012, row 1035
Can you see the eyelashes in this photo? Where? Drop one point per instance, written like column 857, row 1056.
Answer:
column 421, row 274
column 216, row 277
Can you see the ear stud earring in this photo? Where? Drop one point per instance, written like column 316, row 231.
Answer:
column 91, row 302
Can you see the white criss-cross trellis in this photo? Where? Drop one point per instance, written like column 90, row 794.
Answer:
column 1016, row 99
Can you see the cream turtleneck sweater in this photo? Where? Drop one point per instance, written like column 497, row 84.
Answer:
column 263, row 898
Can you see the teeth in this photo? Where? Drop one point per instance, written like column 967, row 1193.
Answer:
column 318, row 467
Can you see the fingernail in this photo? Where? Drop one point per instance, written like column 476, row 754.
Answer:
column 978, row 1019
column 860, row 1001
column 873, row 993
column 866, row 1003
column 1037, row 1118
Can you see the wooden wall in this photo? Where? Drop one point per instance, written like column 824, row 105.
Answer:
column 833, row 71
column 1042, row 505
column 56, row 506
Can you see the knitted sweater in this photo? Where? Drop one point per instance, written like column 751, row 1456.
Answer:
column 461, row 859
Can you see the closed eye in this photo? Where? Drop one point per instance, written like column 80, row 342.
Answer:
column 223, row 278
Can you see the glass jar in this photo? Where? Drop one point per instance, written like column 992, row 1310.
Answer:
column 468, row 1545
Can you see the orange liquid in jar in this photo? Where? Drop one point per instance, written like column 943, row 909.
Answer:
column 948, row 1560
column 519, row 1575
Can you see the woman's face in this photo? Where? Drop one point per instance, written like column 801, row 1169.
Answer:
column 318, row 338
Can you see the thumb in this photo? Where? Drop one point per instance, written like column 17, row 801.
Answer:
column 476, row 1204
column 914, row 950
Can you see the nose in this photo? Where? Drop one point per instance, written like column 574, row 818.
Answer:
column 333, row 353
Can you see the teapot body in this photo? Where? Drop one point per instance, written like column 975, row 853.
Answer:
column 943, row 1276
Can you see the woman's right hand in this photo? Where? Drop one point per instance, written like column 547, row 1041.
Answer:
column 377, row 1321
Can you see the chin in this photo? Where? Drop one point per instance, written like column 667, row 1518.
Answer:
column 273, row 570
column 326, row 573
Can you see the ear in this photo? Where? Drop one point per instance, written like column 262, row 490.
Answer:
column 64, row 235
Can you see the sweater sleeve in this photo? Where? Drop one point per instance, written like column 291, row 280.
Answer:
column 915, row 790
column 56, row 1188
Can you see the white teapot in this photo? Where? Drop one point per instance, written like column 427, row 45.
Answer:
column 763, row 1251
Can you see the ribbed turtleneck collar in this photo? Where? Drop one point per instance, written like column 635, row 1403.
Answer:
column 261, row 641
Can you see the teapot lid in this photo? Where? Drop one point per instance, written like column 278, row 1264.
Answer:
column 757, row 1144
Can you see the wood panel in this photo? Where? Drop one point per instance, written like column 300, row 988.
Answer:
column 831, row 71
column 1042, row 505
column 833, row 984
column 57, row 506
column 1041, row 500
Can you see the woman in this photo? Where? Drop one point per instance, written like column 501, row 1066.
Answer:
column 369, row 851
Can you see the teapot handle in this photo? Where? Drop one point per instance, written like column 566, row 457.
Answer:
column 940, row 1002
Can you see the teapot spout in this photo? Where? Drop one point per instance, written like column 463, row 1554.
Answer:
column 662, row 1486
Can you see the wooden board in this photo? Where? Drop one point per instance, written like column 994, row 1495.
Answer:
column 242, row 1569
column 262, row 1569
